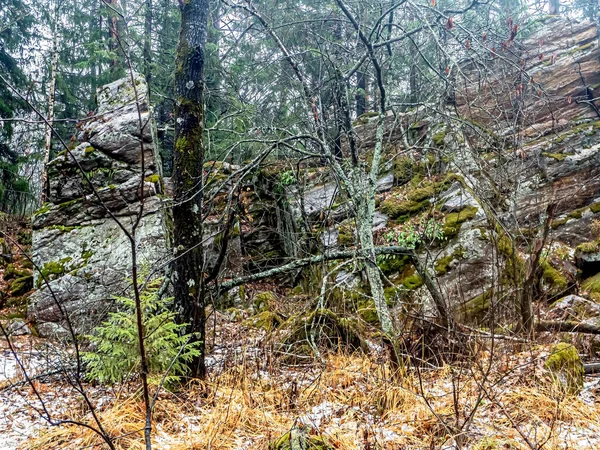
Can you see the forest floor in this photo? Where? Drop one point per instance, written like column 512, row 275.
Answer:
column 500, row 398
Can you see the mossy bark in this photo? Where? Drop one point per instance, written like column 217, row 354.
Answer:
column 188, row 268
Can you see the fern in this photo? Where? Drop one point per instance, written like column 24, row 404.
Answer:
column 116, row 355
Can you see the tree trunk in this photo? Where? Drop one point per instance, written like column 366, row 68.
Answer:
column 554, row 7
column 51, row 98
column 148, row 44
column 188, row 268
column 361, row 95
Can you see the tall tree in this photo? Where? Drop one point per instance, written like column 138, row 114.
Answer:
column 188, row 279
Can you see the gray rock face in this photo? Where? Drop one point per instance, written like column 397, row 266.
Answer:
column 83, row 254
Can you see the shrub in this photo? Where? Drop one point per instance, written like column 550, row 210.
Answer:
column 116, row 355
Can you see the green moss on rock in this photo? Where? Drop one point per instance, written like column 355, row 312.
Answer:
column 266, row 320
column 566, row 367
column 155, row 178
column 454, row 221
column 442, row 265
column 476, row 308
column 412, row 282
column 264, row 301
column 553, row 277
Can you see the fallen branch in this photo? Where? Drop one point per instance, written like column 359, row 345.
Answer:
column 591, row 368
column 568, row 326
column 300, row 263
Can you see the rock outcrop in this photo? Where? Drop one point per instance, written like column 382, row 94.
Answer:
column 80, row 248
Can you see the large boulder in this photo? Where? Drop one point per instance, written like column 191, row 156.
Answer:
column 82, row 244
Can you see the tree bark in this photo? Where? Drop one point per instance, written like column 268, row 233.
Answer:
column 188, row 268
column 361, row 95
column 148, row 44
column 51, row 99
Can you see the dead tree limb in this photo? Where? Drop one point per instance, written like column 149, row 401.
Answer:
column 300, row 263
column 568, row 326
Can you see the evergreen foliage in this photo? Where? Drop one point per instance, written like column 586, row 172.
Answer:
column 115, row 357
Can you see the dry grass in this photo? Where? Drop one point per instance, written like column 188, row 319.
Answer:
column 352, row 400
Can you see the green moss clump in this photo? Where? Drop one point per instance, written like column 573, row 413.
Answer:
column 588, row 247
column 333, row 329
column 21, row 286
column 65, row 205
column 345, row 235
column 559, row 222
column 53, row 270
column 392, row 263
column 395, row 208
column 89, row 150
column 581, row 48
column 155, row 178
column 595, row 207
column 367, row 311
column 454, row 221
column 12, row 272
column 391, row 294
column 553, row 277
column 566, row 367
column 43, row 209
column 363, row 119
column 592, row 286
column 555, row 156
column 439, row 137
column 442, row 264
column 404, row 170
column 266, row 320
column 476, row 308
column 412, row 282
column 264, row 301
column 63, row 229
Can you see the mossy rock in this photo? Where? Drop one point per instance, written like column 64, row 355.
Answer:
column 21, row 286
column 346, row 235
column 454, row 221
column 301, row 439
column 396, row 208
column 392, row 294
column 592, row 287
column 566, row 367
column 412, row 281
column 366, row 311
column 332, row 328
column 475, row 309
column 264, row 301
column 588, row 247
column 442, row 265
column 556, row 281
column 266, row 320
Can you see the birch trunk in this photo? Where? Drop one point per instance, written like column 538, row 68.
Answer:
column 51, row 99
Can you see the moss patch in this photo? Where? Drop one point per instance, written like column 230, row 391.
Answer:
column 454, row 221
column 476, row 308
column 555, row 156
column 442, row 265
column 566, row 367
column 553, row 277
column 389, row 264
